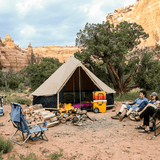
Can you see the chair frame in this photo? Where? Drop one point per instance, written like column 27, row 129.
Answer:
column 156, row 125
column 29, row 130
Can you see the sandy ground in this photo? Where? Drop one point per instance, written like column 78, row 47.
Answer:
column 101, row 139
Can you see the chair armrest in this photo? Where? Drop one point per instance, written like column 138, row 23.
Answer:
column 34, row 124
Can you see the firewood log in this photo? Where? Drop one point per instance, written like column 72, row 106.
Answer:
column 68, row 118
column 49, row 116
column 84, row 116
column 52, row 124
column 63, row 120
column 39, row 110
column 37, row 106
column 53, row 119
column 78, row 124
column 84, row 112
column 30, row 108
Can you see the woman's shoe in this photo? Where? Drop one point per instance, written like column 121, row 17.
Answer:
column 139, row 127
column 145, row 131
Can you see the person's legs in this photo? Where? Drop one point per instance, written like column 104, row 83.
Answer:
column 122, row 108
column 129, row 112
column 149, row 111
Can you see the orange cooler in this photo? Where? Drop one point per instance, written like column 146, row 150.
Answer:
column 99, row 106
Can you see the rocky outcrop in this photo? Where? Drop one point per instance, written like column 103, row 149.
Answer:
column 15, row 58
column 145, row 13
column 11, row 55
column 59, row 52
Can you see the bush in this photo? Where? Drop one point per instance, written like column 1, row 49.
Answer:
column 14, row 81
column 55, row 156
column 130, row 96
column 29, row 157
column 21, row 87
column 37, row 74
column 18, row 100
column 149, row 74
column 5, row 145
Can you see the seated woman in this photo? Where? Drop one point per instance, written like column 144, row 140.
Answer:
column 153, row 103
column 146, row 113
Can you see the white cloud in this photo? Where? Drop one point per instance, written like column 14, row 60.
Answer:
column 45, row 22
column 28, row 31
column 85, row 8
column 26, row 5
column 95, row 12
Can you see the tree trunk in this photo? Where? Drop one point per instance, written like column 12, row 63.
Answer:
column 111, row 74
column 118, row 81
column 119, row 85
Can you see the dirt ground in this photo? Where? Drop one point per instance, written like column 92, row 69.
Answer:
column 102, row 139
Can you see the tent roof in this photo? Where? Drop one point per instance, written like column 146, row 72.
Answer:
column 61, row 76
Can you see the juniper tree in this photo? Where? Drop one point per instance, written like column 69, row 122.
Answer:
column 111, row 44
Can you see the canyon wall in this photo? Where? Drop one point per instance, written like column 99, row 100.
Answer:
column 60, row 52
column 145, row 13
column 16, row 58
column 11, row 55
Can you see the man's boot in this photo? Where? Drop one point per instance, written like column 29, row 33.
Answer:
column 116, row 116
column 123, row 115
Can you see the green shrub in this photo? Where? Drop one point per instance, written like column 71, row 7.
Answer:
column 18, row 100
column 31, row 156
column 21, row 87
column 130, row 96
column 0, row 155
column 23, row 100
column 55, row 156
column 5, row 145
column 12, row 157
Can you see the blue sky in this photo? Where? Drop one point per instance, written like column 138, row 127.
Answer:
column 52, row 22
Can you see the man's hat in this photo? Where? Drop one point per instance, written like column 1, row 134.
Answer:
column 153, row 94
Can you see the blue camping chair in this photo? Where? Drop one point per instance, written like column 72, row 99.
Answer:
column 20, row 124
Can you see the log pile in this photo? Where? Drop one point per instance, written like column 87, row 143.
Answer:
column 37, row 115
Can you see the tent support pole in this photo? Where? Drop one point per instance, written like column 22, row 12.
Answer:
column 80, row 86
column 58, row 100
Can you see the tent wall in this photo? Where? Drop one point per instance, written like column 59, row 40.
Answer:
column 49, row 101
column 110, row 99
column 86, row 83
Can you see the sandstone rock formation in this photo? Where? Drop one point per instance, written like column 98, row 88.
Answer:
column 11, row 55
column 145, row 13
column 60, row 52
column 15, row 58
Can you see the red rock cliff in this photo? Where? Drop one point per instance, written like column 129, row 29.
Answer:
column 60, row 52
column 145, row 13
column 11, row 55
column 15, row 58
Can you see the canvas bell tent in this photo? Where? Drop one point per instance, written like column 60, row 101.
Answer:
column 72, row 76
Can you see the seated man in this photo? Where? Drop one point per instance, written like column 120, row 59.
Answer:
column 153, row 103
column 126, row 109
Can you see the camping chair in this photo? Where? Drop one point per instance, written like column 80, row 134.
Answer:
column 156, row 116
column 19, row 122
